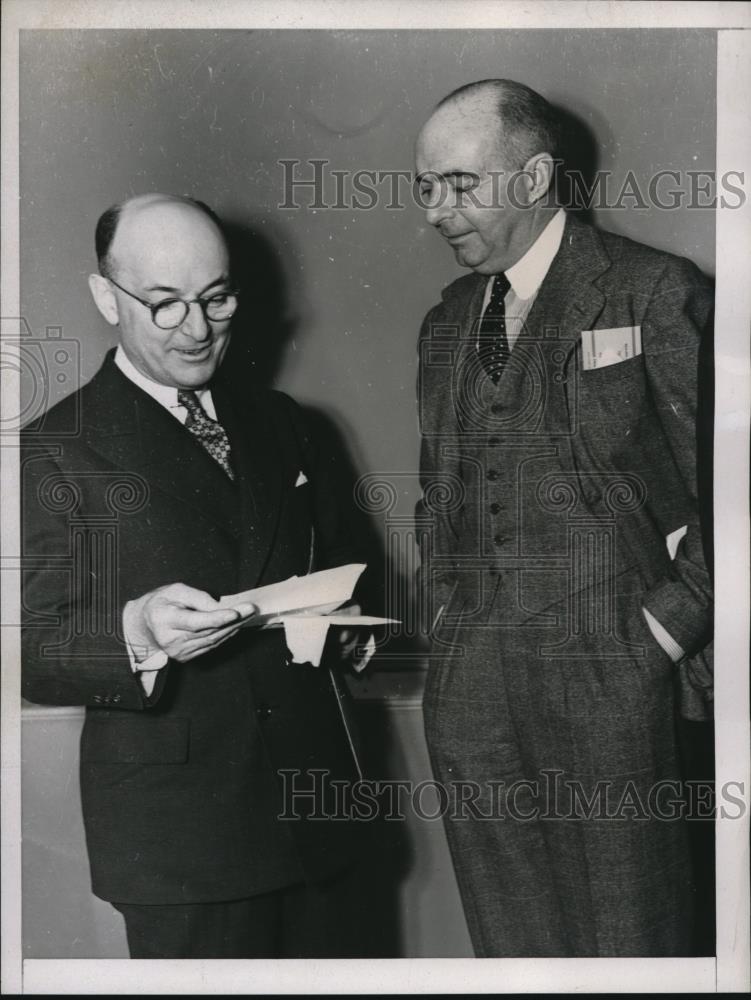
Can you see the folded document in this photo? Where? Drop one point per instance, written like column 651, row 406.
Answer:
column 303, row 606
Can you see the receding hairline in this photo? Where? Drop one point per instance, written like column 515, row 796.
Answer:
column 528, row 123
column 110, row 221
column 498, row 88
column 143, row 204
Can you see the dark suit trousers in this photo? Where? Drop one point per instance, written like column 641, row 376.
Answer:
column 298, row 921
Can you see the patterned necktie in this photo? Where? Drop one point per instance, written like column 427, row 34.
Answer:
column 492, row 347
column 211, row 434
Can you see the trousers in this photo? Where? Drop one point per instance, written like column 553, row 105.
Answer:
column 298, row 921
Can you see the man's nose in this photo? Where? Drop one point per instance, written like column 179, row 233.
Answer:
column 195, row 323
column 438, row 206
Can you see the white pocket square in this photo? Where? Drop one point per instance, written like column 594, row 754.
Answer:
column 673, row 540
column 301, row 479
column 601, row 348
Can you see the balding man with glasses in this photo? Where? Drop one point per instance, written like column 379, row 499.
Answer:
column 177, row 489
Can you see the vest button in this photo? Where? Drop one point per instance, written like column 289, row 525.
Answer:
column 264, row 711
column 495, row 508
column 500, row 540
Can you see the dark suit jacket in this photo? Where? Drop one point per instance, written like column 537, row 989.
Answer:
column 547, row 501
column 181, row 790
column 637, row 417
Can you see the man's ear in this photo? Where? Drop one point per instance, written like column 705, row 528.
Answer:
column 538, row 173
column 104, row 298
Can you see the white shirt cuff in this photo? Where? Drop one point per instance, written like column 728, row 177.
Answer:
column 663, row 637
column 362, row 661
column 146, row 669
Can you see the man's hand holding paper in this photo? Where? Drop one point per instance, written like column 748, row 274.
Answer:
column 180, row 622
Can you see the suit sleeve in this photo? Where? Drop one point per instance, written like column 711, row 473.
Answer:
column 73, row 652
column 678, row 317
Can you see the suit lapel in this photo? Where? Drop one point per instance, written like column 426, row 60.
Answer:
column 468, row 310
column 257, row 465
column 569, row 300
column 133, row 432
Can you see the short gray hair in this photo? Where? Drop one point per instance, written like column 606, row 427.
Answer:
column 528, row 123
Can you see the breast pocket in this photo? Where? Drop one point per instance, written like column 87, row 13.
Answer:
column 621, row 383
column 613, row 410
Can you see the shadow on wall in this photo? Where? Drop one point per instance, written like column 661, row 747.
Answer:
column 580, row 155
column 264, row 326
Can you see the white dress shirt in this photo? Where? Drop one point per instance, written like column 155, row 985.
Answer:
column 527, row 275
column 165, row 395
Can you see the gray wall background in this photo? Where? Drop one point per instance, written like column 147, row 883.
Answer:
column 334, row 313
column 107, row 114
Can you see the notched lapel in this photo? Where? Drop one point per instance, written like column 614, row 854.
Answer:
column 471, row 316
column 256, row 461
column 133, row 432
column 569, row 300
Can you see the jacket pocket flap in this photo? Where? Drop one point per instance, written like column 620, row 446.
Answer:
column 134, row 739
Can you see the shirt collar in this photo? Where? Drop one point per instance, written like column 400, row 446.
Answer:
column 529, row 272
column 166, row 395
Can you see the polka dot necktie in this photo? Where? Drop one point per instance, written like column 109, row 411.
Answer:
column 211, row 434
column 492, row 346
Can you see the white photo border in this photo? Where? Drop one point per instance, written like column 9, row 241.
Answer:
column 729, row 972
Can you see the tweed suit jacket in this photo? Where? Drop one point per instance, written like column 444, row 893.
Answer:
column 182, row 790
column 637, row 417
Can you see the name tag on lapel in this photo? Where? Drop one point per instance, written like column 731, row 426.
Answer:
column 601, row 348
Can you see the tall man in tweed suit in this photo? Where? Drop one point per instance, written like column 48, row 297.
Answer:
column 562, row 553
column 177, row 487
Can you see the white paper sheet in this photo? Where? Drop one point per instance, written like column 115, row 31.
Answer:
column 302, row 606
column 316, row 593
column 601, row 348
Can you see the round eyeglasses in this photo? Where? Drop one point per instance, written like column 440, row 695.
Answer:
column 170, row 313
